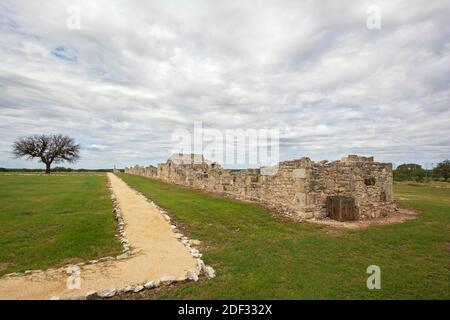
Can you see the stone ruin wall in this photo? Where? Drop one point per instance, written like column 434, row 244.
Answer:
column 299, row 188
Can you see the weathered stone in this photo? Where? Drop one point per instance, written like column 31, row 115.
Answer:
column 128, row 289
column 123, row 256
column 200, row 265
column 195, row 253
column 138, row 288
column 299, row 173
column 152, row 284
column 90, row 294
column 209, row 272
column 297, row 188
column 14, row 274
column 32, row 271
column 105, row 259
column 192, row 276
column 108, row 293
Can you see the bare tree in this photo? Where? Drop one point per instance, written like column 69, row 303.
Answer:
column 49, row 149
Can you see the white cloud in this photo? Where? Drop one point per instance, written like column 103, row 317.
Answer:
column 137, row 71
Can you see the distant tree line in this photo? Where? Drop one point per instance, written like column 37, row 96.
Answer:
column 415, row 172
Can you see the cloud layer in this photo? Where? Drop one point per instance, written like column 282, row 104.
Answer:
column 136, row 71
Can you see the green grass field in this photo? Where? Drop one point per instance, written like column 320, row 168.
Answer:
column 51, row 220
column 48, row 221
column 261, row 256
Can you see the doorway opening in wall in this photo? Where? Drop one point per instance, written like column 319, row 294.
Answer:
column 341, row 208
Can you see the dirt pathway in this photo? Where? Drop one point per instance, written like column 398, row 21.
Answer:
column 158, row 254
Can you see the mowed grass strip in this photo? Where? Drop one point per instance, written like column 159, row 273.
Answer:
column 261, row 256
column 51, row 220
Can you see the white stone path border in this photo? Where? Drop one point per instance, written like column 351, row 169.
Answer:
column 121, row 235
column 128, row 254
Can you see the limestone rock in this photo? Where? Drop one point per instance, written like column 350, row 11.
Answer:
column 200, row 265
column 138, row 288
column 108, row 293
column 152, row 284
column 209, row 271
column 295, row 187
column 192, row 276
column 105, row 259
column 128, row 289
column 123, row 256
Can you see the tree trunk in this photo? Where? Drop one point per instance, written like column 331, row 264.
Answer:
column 47, row 168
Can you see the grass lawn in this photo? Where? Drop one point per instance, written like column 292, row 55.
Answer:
column 46, row 221
column 260, row 256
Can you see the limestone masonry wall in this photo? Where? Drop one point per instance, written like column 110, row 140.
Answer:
column 300, row 188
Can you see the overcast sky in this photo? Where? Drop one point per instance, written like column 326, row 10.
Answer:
column 136, row 71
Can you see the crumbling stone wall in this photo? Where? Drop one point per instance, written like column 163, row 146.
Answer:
column 299, row 188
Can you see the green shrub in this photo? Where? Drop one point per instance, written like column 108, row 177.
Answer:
column 442, row 170
column 409, row 172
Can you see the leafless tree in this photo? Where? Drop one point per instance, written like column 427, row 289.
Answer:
column 49, row 149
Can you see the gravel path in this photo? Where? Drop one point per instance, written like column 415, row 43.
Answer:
column 157, row 254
